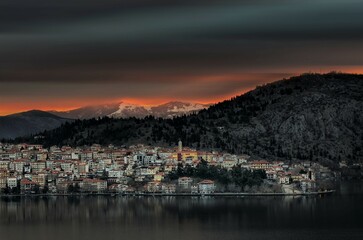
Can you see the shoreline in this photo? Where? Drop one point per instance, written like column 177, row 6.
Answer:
column 173, row 194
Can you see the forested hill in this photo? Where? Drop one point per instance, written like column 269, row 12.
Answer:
column 312, row 116
column 30, row 122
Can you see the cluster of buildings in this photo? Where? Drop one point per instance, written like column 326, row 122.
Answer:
column 302, row 176
column 27, row 169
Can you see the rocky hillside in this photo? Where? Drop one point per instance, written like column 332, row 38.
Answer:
column 315, row 117
column 26, row 123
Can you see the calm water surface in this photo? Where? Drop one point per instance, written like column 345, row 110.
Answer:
column 339, row 216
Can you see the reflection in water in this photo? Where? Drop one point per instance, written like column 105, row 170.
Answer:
column 329, row 217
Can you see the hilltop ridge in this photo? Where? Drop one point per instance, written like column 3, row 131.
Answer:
column 312, row 116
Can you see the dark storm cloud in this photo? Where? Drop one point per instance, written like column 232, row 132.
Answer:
column 21, row 13
column 145, row 47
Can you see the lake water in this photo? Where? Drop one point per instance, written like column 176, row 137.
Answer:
column 339, row 216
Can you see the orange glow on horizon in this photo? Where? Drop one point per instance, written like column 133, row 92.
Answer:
column 64, row 106
column 259, row 78
column 70, row 105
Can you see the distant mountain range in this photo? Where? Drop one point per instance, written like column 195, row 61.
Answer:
column 26, row 123
column 313, row 117
column 125, row 110
column 35, row 121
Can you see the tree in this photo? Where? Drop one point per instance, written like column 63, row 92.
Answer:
column 70, row 188
column 45, row 189
column 77, row 188
column 6, row 190
column 237, row 176
column 36, row 189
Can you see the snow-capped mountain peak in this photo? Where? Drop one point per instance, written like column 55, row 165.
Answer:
column 172, row 109
column 129, row 110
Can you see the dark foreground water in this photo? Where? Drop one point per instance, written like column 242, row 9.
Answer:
column 339, row 216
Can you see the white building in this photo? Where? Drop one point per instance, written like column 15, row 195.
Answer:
column 185, row 182
column 206, row 187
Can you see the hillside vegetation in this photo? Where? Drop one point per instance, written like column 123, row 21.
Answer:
column 312, row 116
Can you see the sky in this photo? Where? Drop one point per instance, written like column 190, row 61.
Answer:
column 66, row 54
